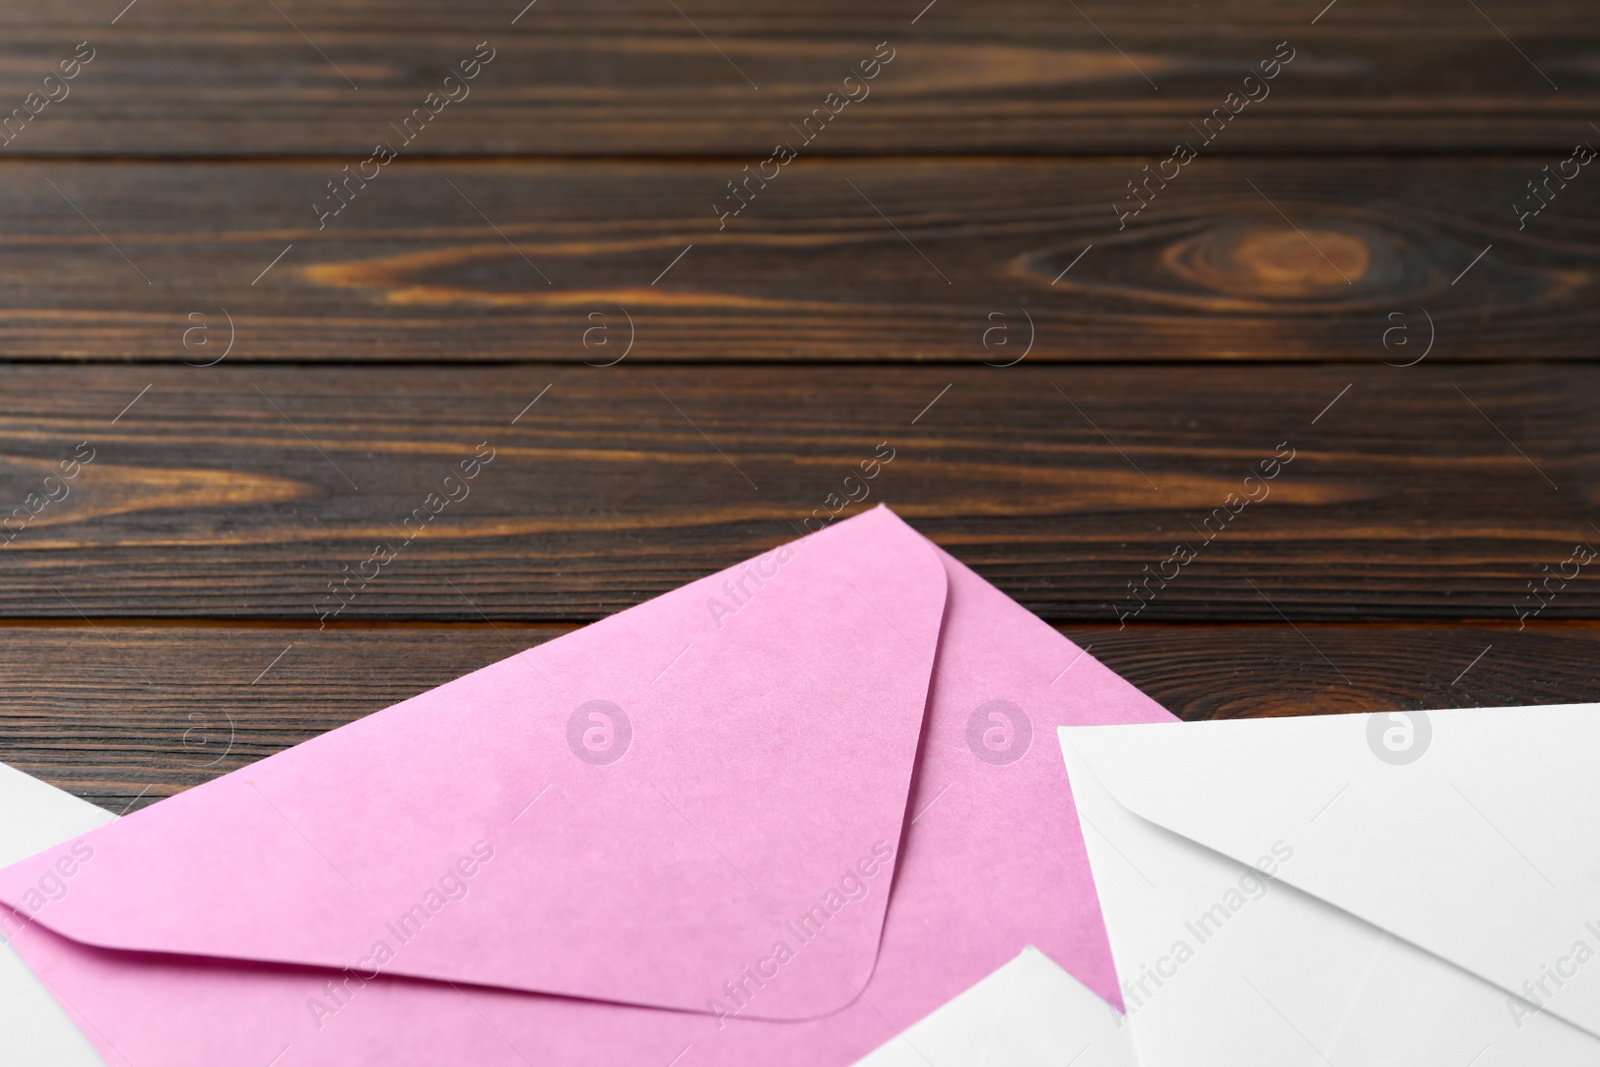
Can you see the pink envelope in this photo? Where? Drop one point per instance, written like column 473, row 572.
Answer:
column 775, row 816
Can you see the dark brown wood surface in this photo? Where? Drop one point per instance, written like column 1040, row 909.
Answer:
column 1360, row 259
column 242, row 491
column 148, row 710
column 629, row 77
column 1378, row 268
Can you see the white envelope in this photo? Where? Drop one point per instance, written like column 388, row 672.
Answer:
column 1397, row 888
column 34, row 1030
column 1029, row 1013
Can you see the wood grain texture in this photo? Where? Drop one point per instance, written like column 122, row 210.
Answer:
column 574, row 77
column 162, row 602
column 237, row 492
column 144, row 712
column 964, row 262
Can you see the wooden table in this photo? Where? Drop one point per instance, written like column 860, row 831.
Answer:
column 244, row 344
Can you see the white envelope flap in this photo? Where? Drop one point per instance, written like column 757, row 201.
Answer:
column 1028, row 1013
column 34, row 1030
column 35, row 815
column 1473, row 834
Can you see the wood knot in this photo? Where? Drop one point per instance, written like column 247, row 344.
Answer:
column 1275, row 262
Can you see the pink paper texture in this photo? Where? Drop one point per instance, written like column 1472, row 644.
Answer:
column 797, row 856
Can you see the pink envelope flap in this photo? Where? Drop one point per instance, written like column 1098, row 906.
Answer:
column 641, row 810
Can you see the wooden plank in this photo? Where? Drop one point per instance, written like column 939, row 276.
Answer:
column 147, row 711
column 1431, row 492
column 968, row 262
column 1013, row 76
